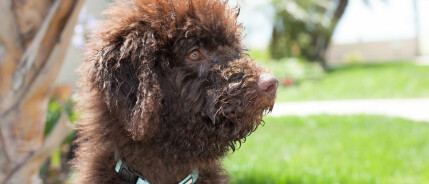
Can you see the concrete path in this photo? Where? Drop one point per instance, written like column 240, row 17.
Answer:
column 413, row 109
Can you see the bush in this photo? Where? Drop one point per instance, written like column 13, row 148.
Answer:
column 56, row 170
column 292, row 71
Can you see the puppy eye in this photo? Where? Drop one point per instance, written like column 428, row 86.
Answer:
column 195, row 55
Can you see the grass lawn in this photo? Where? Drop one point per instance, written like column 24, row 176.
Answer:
column 333, row 150
column 388, row 80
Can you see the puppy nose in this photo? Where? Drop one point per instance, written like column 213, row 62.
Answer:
column 268, row 83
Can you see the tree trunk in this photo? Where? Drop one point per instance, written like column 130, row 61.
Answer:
column 321, row 41
column 34, row 35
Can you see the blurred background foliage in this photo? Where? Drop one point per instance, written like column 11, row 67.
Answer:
column 304, row 28
column 56, row 169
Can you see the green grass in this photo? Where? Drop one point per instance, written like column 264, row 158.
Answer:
column 333, row 149
column 388, row 80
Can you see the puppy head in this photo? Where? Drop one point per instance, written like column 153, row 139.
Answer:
column 180, row 63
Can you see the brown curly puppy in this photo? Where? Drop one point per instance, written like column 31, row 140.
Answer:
column 166, row 92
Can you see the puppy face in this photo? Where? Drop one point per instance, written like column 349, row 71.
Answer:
column 174, row 72
column 218, row 87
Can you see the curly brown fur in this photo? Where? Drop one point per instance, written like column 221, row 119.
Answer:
column 164, row 113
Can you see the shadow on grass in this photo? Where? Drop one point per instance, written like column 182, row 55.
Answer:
column 254, row 180
column 274, row 177
column 258, row 179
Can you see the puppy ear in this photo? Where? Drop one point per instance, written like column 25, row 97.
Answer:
column 127, row 74
column 145, row 118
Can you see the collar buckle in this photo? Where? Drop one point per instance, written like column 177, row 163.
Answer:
column 128, row 175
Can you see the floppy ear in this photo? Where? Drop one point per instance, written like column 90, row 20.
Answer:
column 126, row 72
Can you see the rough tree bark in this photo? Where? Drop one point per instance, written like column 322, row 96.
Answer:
column 34, row 35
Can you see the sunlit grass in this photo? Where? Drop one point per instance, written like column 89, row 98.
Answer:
column 389, row 80
column 334, row 149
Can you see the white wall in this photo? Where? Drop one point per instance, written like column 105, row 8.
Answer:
column 380, row 20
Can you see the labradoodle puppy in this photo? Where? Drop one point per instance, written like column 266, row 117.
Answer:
column 166, row 92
